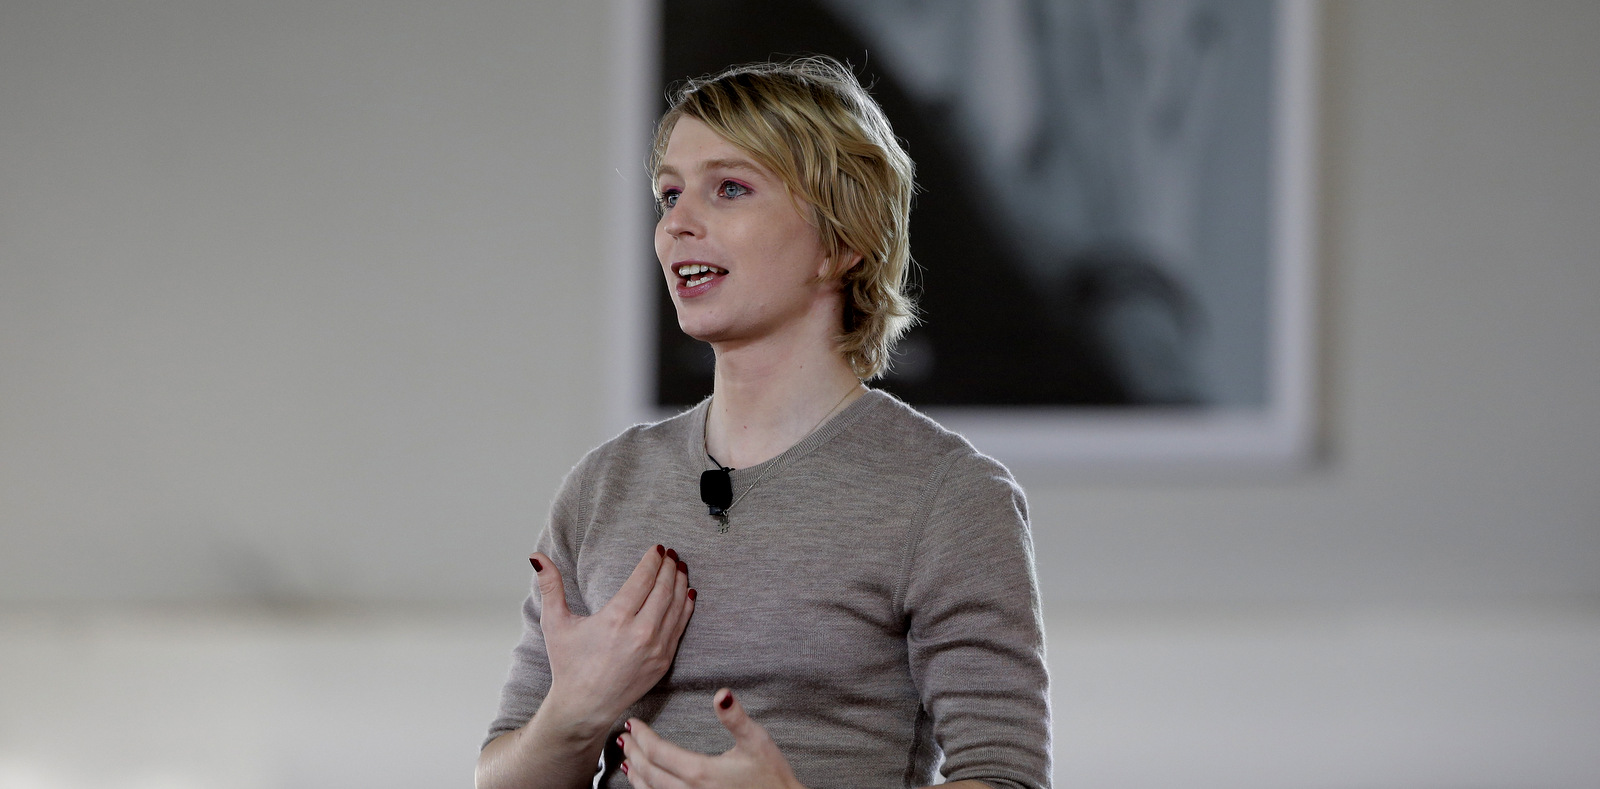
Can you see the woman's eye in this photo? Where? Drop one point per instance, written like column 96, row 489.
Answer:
column 667, row 198
column 733, row 189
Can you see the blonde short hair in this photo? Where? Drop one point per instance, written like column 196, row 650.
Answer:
column 812, row 124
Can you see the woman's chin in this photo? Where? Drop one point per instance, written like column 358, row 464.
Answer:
column 704, row 331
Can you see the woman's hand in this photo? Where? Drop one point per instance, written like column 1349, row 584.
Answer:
column 754, row 762
column 601, row 664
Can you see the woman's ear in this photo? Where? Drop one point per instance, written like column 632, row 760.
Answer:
column 850, row 260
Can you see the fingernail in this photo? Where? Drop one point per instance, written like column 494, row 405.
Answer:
column 624, row 767
column 682, row 568
column 536, row 566
column 627, row 725
column 671, row 554
column 727, row 701
column 661, row 551
column 691, row 594
column 619, row 741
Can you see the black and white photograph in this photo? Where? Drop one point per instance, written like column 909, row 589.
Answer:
column 1109, row 242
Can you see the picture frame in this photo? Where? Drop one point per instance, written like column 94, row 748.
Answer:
column 1269, row 429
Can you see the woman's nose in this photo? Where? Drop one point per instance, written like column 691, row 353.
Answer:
column 683, row 218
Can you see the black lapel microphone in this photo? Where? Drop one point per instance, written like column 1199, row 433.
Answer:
column 716, row 490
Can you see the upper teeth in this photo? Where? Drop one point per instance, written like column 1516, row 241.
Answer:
column 697, row 268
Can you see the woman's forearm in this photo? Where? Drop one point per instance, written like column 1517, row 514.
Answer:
column 552, row 751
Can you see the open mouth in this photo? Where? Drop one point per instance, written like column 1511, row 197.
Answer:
column 693, row 274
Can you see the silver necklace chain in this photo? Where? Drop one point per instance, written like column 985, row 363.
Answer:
column 705, row 444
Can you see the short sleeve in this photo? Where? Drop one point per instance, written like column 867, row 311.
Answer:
column 974, row 631
column 528, row 680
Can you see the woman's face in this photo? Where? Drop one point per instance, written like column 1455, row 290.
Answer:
column 741, row 261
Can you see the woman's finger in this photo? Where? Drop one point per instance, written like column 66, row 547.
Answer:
column 636, row 762
column 665, row 765
column 674, row 616
column 552, row 592
column 634, row 590
column 656, row 778
column 746, row 732
column 688, row 613
column 664, row 592
column 636, row 777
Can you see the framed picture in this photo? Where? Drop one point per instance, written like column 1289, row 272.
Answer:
column 1113, row 230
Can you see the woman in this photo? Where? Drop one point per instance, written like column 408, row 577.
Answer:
column 834, row 591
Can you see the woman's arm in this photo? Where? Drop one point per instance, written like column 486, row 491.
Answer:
column 599, row 666
column 974, row 635
column 557, row 748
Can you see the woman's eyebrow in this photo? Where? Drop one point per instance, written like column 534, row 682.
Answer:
column 729, row 164
column 714, row 164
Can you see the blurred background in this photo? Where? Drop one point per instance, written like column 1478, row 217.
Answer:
column 303, row 314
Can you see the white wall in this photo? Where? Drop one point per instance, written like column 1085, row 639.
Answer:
column 1461, row 290
column 297, row 297
column 305, row 301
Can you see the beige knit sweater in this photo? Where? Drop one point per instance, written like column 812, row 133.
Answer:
column 873, row 603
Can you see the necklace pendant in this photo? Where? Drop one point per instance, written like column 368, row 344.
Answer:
column 722, row 528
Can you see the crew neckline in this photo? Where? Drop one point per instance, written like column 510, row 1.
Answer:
column 823, row 433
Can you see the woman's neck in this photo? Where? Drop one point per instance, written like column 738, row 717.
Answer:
column 771, row 395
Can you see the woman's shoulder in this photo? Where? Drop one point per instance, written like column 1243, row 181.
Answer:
column 640, row 446
column 891, row 427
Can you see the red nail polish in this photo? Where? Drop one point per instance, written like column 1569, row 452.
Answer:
column 671, row 554
column 682, row 568
column 727, row 701
column 691, row 594
column 660, row 551
column 624, row 768
column 628, row 725
column 536, row 566
column 619, row 741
